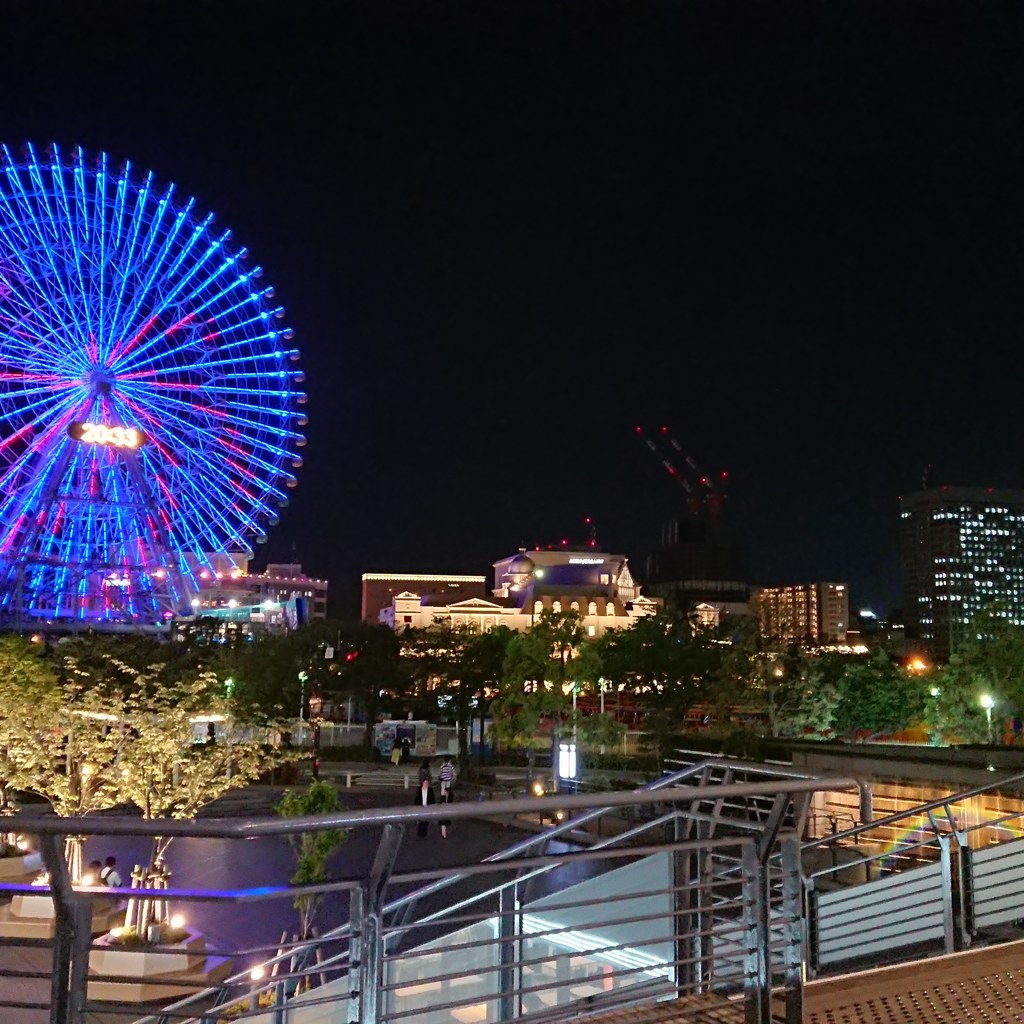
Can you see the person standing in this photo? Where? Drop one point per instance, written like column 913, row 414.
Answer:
column 424, row 798
column 425, row 770
column 109, row 875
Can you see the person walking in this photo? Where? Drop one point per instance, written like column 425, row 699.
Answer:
column 424, row 798
column 425, row 770
column 396, row 752
column 446, row 776
column 445, row 823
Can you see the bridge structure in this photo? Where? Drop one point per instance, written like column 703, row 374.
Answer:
column 707, row 901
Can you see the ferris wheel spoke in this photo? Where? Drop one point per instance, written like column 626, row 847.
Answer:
column 52, row 403
column 76, row 242
column 47, row 230
column 128, row 252
column 14, row 247
column 142, row 259
column 175, row 296
column 219, row 313
column 150, row 298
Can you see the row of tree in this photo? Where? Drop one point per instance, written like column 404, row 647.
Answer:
column 674, row 673
column 670, row 674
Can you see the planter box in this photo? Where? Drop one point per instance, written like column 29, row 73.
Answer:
column 142, row 962
column 16, row 869
column 184, row 969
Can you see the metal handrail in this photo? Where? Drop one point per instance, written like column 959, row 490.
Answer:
column 892, row 819
column 225, row 828
column 663, row 790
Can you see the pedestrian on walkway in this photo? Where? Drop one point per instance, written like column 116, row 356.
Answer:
column 424, row 798
column 406, row 749
column 446, row 776
column 396, row 752
column 425, row 770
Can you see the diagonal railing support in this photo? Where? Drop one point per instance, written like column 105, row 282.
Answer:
column 71, row 939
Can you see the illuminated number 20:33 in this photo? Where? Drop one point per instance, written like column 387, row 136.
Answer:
column 98, row 433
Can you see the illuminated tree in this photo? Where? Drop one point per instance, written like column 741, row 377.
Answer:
column 58, row 741
column 171, row 768
column 877, row 695
column 312, row 849
column 543, row 669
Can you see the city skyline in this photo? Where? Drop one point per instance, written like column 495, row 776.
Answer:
column 506, row 234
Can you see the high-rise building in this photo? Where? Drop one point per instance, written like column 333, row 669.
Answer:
column 696, row 563
column 962, row 550
column 805, row 613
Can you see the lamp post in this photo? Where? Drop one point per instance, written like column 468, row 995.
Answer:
column 316, row 703
column 988, row 703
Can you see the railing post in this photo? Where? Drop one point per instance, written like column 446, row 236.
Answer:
column 356, row 981
column 508, row 953
column 366, row 958
column 811, row 955
column 792, row 930
column 71, row 938
column 965, row 887
column 949, row 931
column 688, row 868
column 366, row 910
column 373, row 967
column 756, row 969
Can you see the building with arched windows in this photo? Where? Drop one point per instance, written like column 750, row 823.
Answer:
column 596, row 585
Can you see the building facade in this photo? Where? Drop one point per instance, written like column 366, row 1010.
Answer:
column 814, row 614
column 282, row 597
column 961, row 551
column 381, row 588
column 597, row 585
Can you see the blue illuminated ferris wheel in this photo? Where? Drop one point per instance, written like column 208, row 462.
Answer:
column 149, row 411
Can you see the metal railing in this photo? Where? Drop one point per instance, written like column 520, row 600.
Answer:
column 913, row 882
column 690, row 902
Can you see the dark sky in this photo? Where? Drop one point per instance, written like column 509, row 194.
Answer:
column 506, row 233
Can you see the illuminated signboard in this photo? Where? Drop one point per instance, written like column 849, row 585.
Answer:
column 98, row 433
column 586, row 561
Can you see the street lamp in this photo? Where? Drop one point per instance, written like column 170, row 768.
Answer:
column 988, row 703
column 316, row 705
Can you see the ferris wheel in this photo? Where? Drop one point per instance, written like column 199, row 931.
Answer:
column 149, row 406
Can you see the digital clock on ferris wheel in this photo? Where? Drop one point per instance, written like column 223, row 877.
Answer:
column 99, row 433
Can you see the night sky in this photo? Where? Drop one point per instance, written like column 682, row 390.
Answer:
column 506, row 233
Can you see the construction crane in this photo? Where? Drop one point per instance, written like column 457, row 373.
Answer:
column 704, row 496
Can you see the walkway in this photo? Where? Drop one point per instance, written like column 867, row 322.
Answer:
column 983, row 985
